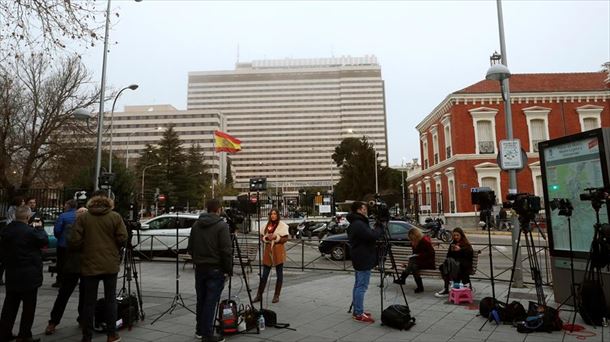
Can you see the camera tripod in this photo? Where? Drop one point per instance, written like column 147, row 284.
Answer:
column 532, row 255
column 131, row 274
column 177, row 301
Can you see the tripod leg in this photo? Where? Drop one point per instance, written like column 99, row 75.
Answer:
column 515, row 257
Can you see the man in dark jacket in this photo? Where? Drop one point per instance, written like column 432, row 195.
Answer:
column 69, row 268
column 62, row 223
column 99, row 234
column 362, row 240
column 20, row 246
column 210, row 246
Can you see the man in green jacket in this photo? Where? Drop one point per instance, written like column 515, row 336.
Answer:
column 99, row 234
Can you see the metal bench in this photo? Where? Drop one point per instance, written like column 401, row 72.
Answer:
column 402, row 254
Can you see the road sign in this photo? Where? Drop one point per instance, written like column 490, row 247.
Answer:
column 253, row 198
column 510, row 155
column 324, row 209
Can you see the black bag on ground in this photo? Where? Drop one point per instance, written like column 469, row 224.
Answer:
column 127, row 311
column 397, row 316
column 271, row 319
column 489, row 304
column 592, row 303
column 514, row 312
column 540, row 318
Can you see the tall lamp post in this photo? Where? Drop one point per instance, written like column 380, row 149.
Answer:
column 142, row 194
column 500, row 72
column 402, row 177
column 132, row 87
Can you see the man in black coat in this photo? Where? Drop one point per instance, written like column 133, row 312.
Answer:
column 363, row 242
column 20, row 246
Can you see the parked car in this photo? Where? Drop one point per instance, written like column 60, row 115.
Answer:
column 159, row 233
column 337, row 246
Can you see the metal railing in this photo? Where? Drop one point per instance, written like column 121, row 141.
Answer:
column 303, row 254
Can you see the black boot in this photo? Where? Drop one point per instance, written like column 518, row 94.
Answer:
column 402, row 279
column 419, row 283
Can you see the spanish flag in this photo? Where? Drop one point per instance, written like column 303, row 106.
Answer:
column 226, row 143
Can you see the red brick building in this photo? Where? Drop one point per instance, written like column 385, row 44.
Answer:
column 459, row 140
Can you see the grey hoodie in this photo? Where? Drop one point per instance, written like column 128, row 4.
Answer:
column 210, row 243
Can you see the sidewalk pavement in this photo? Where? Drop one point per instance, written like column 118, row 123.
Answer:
column 315, row 304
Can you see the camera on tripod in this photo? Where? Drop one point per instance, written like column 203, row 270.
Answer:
column 563, row 204
column 524, row 204
column 132, row 225
column 379, row 209
column 484, row 197
column 595, row 194
column 233, row 217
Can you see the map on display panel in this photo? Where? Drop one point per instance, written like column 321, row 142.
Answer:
column 571, row 168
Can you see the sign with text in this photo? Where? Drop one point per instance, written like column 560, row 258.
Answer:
column 324, row 208
column 510, row 155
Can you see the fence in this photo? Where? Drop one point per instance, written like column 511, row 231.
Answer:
column 49, row 202
column 304, row 255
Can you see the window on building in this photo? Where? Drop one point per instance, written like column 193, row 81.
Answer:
column 447, row 132
column 539, row 189
column 451, row 196
column 538, row 129
column 425, row 151
column 439, row 198
column 490, row 182
column 428, row 194
column 435, row 147
column 589, row 124
column 486, row 137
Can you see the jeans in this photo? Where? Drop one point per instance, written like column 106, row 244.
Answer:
column 361, row 284
column 208, row 286
column 279, row 272
column 9, row 313
column 61, row 260
column 68, row 284
column 89, row 296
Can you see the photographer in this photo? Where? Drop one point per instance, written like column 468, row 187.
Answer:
column 363, row 244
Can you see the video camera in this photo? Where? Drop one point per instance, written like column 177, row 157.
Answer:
column 563, row 204
column 484, row 197
column 597, row 196
column 379, row 209
column 233, row 217
column 524, row 204
column 132, row 225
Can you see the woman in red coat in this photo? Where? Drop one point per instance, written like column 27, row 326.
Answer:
column 422, row 259
column 274, row 235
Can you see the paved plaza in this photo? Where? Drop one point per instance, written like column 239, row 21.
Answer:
column 315, row 303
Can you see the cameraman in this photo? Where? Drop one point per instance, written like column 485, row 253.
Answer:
column 362, row 240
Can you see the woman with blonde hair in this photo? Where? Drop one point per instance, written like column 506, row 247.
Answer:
column 274, row 235
column 422, row 258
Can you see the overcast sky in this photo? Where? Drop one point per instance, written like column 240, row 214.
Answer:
column 426, row 49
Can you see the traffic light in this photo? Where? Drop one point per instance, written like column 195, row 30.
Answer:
column 258, row 184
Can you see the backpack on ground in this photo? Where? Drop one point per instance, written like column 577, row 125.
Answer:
column 514, row 312
column 127, row 312
column 492, row 309
column 540, row 318
column 228, row 317
column 397, row 316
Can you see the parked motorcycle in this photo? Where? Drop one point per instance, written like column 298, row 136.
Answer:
column 435, row 229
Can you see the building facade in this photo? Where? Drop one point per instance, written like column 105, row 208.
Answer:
column 137, row 126
column 459, row 139
column 291, row 114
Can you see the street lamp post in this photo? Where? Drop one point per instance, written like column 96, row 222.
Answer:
column 402, row 177
column 132, row 87
column 142, row 194
column 500, row 72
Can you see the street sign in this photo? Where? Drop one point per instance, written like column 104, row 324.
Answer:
column 253, row 199
column 161, row 197
column 324, row 209
column 510, row 155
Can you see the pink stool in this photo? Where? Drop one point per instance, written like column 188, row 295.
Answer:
column 463, row 295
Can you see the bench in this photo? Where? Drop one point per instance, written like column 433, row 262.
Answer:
column 249, row 251
column 402, row 253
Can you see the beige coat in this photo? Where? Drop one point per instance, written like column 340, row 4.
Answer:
column 274, row 252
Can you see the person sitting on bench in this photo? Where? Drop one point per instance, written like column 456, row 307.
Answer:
column 421, row 259
column 461, row 251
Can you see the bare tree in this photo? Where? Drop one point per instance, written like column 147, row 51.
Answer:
column 47, row 25
column 37, row 100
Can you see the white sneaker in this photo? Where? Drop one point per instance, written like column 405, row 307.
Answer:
column 441, row 294
column 197, row 336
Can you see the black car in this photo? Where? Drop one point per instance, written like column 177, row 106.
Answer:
column 338, row 245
